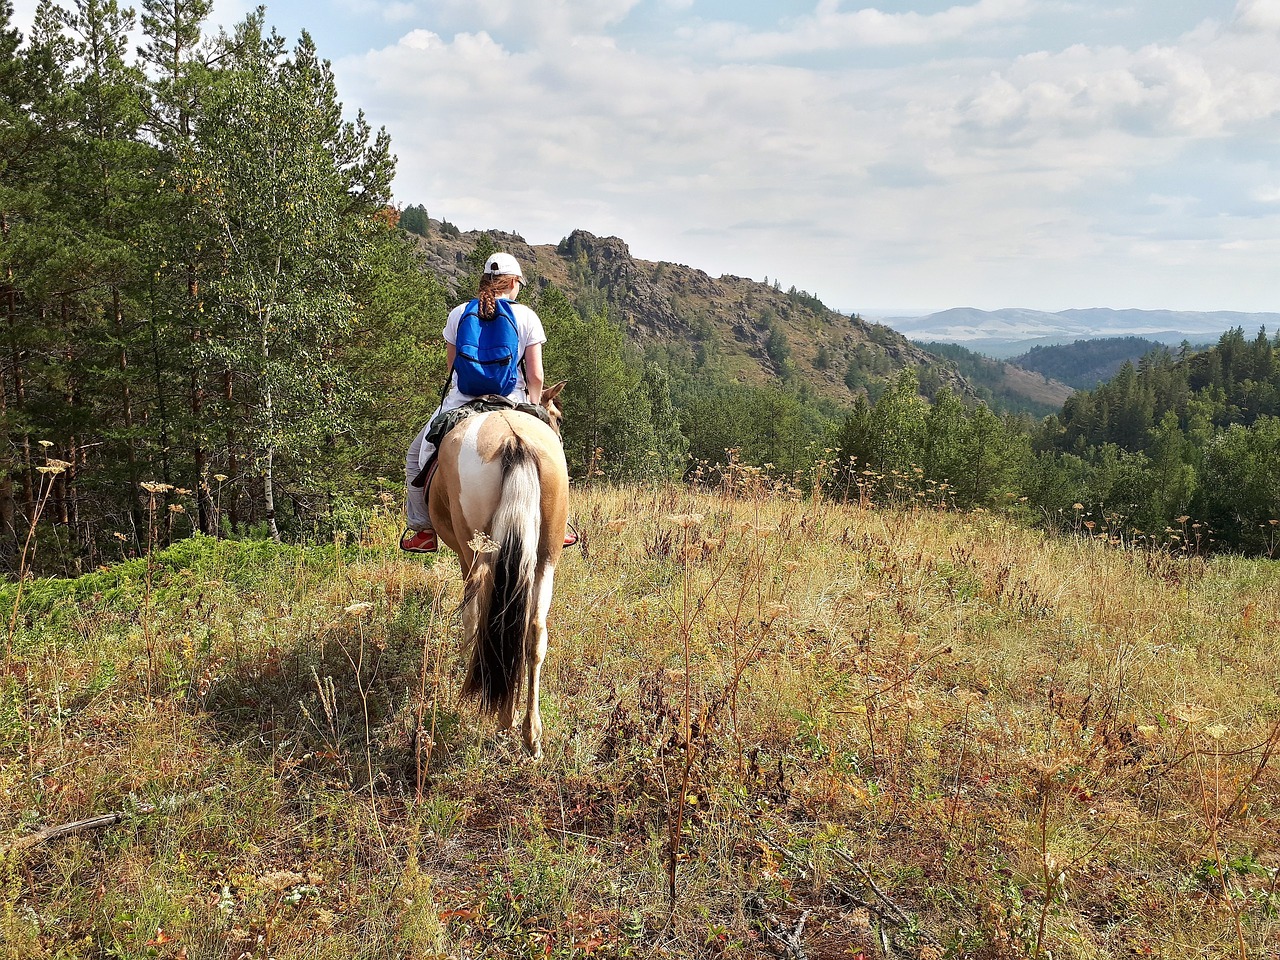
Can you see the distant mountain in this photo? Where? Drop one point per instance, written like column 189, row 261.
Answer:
column 757, row 332
column 1086, row 363
column 1007, row 333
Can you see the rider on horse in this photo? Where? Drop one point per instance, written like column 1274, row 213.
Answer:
column 502, row 280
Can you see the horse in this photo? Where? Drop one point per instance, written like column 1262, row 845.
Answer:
column 499, row 500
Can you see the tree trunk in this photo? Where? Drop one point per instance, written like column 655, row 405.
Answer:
column 8, row 507
column 268, row 460
column 228, row 396
column 199, row 454
column 126, row 399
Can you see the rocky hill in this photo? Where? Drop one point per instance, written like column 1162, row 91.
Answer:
column 757, row 332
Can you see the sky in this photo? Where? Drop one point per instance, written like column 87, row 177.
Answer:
column 893, row 159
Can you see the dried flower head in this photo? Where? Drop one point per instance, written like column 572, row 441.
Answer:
column 483, row 543
column 686, row 520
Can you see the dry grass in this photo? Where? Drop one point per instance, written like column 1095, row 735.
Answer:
column 776, row 726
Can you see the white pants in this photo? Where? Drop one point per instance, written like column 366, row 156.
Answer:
column 415, row 498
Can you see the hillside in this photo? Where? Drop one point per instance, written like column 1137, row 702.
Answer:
column 757, row 332
column 908, row 733
column 1086, row 363
column 1005, row 386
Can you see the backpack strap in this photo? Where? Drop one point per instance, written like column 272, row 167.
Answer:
column 511, row 318
column 472, row 306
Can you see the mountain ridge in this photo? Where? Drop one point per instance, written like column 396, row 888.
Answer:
column 996, row 331
column 757, row 332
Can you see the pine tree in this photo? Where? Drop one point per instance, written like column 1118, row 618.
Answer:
column 178, row 76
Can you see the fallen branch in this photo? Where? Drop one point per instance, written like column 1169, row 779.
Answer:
column 97, row 823
column 791, row 941
column 899, row 914
column 890, row 913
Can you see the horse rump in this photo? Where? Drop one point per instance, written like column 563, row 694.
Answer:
column 499, row 597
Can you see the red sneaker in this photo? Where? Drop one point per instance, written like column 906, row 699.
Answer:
column 419, row 541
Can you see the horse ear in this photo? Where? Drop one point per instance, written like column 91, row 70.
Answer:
column 551, row 393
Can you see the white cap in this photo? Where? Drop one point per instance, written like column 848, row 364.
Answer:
column 503, row 265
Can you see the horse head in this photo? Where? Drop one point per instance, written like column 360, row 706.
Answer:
column 554, row 410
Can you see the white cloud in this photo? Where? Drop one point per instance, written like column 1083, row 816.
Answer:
column 544, row 19
column 830, row 28
column 958, row 176
column 1158, row 91
column 1258, row 14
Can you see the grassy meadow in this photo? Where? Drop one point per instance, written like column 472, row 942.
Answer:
column 775, row 726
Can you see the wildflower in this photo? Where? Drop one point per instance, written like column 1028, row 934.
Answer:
column 281, row 879
column 153, row 488
column 221, row 477
column 45, row 443
column 483, row 543
column 358, row 609
column 686, row 520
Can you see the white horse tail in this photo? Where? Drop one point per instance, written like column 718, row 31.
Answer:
column 502, row 583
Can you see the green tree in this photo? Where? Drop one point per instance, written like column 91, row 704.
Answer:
column 294, row 195
column 414, row 219
column 1240, row 495
column 178, row 79
column 1173, row 479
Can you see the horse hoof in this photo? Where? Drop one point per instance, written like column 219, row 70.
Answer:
column 534, row 750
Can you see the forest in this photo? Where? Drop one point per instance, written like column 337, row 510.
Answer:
column 1085, row 363
column 193, row 343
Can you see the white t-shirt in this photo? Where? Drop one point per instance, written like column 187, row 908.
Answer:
column 528, row 328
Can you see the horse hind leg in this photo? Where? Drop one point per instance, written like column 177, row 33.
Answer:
column 537, row 653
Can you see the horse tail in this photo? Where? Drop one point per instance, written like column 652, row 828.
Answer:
column 501, row 586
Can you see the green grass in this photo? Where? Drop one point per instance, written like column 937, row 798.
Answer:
column 940, row 731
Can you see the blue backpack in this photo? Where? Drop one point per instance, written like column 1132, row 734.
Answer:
column 488, row 357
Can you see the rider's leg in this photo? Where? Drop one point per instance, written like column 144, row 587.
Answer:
column 419, row 537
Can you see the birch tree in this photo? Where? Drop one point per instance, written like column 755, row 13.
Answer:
column 294, row 192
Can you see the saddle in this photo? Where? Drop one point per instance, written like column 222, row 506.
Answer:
column 447, row 421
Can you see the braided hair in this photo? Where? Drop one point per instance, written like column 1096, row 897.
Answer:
column 491, row 286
